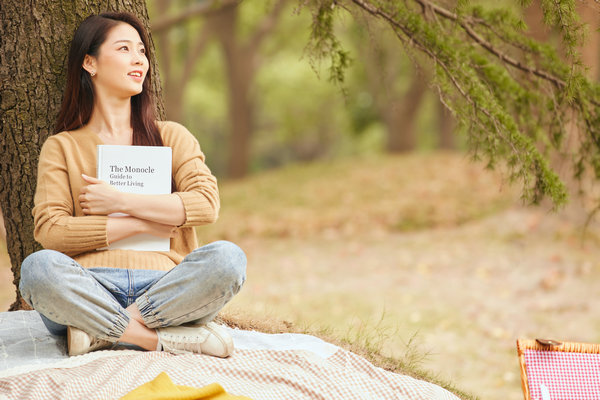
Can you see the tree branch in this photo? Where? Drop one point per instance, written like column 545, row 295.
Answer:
column 199, row 48
column 205, row 7
column 471, row 32
column 477, row 108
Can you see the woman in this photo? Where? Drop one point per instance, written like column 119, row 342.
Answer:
column 155, row 300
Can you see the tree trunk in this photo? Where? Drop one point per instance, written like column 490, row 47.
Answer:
column 34, row 40
column 239, row 60
column 177, row 68
column 401, row 116
column 239, row 75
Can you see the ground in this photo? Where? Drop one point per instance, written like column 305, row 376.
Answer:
column 462, row 295
column 428, row 257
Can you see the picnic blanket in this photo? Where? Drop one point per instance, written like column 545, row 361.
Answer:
column 34, row 365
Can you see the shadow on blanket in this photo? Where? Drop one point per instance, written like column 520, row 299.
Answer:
column 34, row 364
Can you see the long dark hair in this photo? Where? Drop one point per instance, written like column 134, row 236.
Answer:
column 78, row 98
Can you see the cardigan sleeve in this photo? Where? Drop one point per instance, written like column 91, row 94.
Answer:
column 56, row 226
column 194, row 183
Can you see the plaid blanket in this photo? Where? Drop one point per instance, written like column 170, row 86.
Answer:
column 256, row 371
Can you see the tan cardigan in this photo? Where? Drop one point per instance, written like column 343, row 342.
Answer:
column 61, row 225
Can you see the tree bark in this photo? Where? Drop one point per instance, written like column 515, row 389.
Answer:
column 34, row 41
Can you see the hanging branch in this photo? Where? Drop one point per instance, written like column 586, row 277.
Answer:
column 511, row 92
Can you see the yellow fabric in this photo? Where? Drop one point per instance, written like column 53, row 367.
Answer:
column 61, row 225
column 162, row 388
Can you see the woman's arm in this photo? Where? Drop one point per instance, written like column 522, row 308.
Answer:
column 99, row 198
column 56, row 226
column 196, row 201
column 118, row 228
column 196, row 185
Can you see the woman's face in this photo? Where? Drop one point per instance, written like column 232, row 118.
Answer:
column 121, row 65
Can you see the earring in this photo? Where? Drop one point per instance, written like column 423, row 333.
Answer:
column 92, row 73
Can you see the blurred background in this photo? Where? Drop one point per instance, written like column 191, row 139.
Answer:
column 238, row 76
column 360, row 210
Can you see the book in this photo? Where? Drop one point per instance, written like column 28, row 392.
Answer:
column 141, row 170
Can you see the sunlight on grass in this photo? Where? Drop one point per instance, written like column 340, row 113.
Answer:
column 376, row 194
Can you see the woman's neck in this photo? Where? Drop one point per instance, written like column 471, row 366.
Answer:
column 111, row 120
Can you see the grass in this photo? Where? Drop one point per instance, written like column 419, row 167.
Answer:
column 347, row 197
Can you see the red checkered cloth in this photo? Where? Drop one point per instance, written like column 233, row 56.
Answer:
column 258, row 374
column 566, row 375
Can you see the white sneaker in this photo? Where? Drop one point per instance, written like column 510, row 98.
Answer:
column 210, row 339
column 79, row 342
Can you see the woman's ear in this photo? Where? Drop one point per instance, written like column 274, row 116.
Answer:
column 89, row 64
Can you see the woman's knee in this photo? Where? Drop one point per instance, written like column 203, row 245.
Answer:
column 227, row 260
column 233, row 259
column 37, row 269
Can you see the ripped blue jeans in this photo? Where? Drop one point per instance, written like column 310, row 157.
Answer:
column 95, row 299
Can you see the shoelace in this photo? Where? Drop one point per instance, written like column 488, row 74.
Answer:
column 179, row 341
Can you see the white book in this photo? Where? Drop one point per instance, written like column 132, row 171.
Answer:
column 141, row 170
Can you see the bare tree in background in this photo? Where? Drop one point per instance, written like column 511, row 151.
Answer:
column 241, row 57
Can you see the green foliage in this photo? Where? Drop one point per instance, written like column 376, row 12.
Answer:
column 514, row 98
column 324, row 43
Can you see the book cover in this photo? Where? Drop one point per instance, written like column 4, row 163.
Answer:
column 141, row 170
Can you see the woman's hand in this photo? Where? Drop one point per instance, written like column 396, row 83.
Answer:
column 98, row 197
